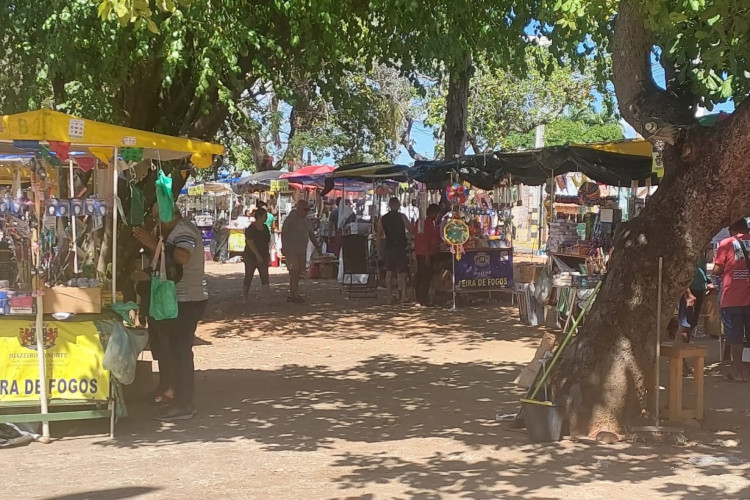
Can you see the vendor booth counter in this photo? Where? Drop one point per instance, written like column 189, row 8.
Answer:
column 77, row 385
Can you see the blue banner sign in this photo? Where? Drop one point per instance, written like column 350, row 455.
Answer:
column 486, row 269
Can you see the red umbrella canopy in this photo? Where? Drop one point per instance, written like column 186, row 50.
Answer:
column 309, row 170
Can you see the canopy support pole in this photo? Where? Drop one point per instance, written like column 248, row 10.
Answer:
column 74, row 231
column 114, row 224
column 39, row 327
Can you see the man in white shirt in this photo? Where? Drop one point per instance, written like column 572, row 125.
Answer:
column 295, row 233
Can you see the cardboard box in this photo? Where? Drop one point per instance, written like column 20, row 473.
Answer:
column 527, row 273
column 72, row 300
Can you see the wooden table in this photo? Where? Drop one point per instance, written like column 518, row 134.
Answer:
column 677, row 353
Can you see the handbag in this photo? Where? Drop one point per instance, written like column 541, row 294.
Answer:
column 163, row 303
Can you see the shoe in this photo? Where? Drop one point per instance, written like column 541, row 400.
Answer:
column 176, row 413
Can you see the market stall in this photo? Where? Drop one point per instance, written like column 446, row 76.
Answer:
column 61, row 209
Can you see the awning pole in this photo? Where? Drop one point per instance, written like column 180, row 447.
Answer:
column 74, row 232
column 39, row 332
column 114, row 225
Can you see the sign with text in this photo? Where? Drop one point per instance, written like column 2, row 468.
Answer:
column 485, row 270
column 73, row 355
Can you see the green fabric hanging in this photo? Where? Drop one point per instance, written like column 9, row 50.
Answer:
column 164, row 197
column 137, row 209
column 132, row 154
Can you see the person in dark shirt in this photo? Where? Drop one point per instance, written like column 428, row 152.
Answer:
column 257, row 255
column 392, row 228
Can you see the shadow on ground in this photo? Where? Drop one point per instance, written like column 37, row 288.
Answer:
column 312, row 408
column 329, row 314
column 107, row 494
column 541, row 472
column 306, row 408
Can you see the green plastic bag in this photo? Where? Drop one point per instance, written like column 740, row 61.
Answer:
column 137, row 210
column 164, row 197
column 163, row 291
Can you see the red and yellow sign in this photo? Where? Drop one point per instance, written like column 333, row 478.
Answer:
column 73, row 355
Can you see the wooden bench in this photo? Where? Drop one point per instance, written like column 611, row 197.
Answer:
column 677, row 353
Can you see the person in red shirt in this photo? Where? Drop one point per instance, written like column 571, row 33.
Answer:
column 731, row 263
column 426, row 246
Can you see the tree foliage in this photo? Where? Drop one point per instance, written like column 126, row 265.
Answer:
column 504, row 107
column 702, row 42
column 184, row 77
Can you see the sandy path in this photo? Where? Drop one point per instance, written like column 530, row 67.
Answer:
column 358, row 399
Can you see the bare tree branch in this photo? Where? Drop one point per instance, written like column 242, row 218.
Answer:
column 407, row 143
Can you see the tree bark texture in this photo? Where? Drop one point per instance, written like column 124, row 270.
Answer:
column 604, row 380
column 457, row 106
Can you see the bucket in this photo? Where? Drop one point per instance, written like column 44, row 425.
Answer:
column 543, row 420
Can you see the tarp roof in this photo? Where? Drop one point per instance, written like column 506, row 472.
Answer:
column 47, row 125
column 372, row 171
column 614, row 163
column 259, row 180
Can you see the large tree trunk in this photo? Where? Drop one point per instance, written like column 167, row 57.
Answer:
column 457, row 107
column 604, row 379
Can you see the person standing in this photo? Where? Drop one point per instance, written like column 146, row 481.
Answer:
column 296, row 231
column 270, row 218
column 731, row 264
column 392, row 228
column 691, row 303
column 220, row 241
column 186, row 242
column 257, row 252
column 426, row 246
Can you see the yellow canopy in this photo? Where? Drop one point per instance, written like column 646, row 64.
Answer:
column 634, row 147
column 49, row 125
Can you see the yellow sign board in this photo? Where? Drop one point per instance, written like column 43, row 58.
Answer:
column 278, row 185
column 237, row 240
column 196, row 190
column 73, row 355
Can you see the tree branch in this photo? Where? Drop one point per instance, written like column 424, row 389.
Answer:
column 638, row 96
column 407, row 143
column 474, row 145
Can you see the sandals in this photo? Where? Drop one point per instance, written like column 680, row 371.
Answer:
column 160, row 398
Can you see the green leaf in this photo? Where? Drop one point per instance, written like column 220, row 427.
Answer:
column 121, row 10
column 726, row 88
column 151, row 25
column 677, row 17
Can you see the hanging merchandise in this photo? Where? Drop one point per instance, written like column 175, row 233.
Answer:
column 457, row 193
column 134, row 155
column 86, row 164
column 202, row 160
column 48, row 157
column 657, row 165
column 456, row 233
column 61, row 149
column 588, row 193
column 137, row 209
column 163, row 291
column 164, row 197
column 104, row 154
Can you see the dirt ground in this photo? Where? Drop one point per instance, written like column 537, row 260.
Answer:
column 343, row 399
